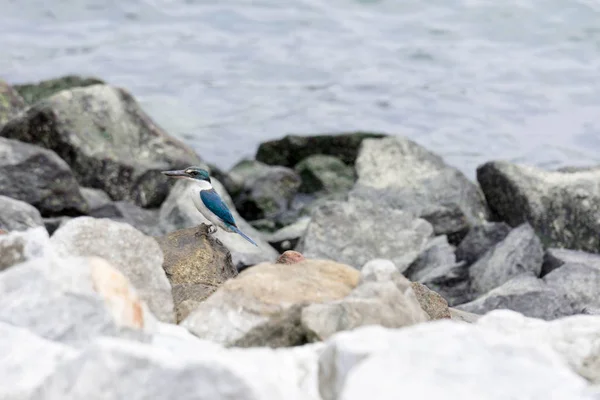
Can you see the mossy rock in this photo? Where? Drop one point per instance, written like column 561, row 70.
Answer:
column 11, row 103
column 325, row 173
column 34, row 92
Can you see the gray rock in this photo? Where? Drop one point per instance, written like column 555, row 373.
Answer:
column 437, row 253
column 450, row 281
column 106, row 138
column 179, row 212
column 480, row 239
column 71, row 300
column 387, row 364
column 143, row 219
column 562, row 207
column 136, row 255
column 20, row 246
column 53, row 223
column 34, row 92
column 398, row 173
column 463, row 316
column 265, row 191
column 16, row 215
column 321, row 173
column 39, row 177
column 288, row 237
column 519, row 253
column 292, row 149
column 95, row 198
column 357, row 231
column 27, row 360
column 196, row 264
column 11, row 103
column 568, row 290
column 555, row 258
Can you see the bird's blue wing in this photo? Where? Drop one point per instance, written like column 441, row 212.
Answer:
column 214, row 203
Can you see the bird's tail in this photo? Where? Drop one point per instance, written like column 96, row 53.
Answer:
column 242, row 234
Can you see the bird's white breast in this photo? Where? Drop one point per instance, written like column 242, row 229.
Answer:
column 195, row 190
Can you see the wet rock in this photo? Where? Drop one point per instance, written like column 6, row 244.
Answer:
column 574, row 338
column 95, row 198
column 107, row 139
column 290, row 257
column 143, row 219
column 321, row 173
column 27, row 360
column 432, row 303
column 288, row 237
column 179, row 212
column 398, row 173
column 11, row 103
column 519, row 253
column 71, row 300
column 438, row 253
column 34, row 92
column 480, row 239
column 136, row 255
column 382, row 364
column 292, row 149
column 265, row 191
column 562, row 207
column 20, row 246
column 371, row 303
column 556, row 258
column 39, row 177
column 263, row 292
column 16, row 215
column 196, row 264
column 356, row 232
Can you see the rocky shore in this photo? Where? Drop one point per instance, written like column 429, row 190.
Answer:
column 381, row 272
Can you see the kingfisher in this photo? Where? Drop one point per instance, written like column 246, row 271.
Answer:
column 207, row 200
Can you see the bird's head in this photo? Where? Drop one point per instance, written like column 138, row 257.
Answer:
column 194, row 173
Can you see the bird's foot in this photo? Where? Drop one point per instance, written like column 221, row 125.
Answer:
column 212, row 229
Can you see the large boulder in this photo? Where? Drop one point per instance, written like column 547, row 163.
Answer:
column 264, row 191
column 16, row 215
column 39, row 177
column 443, row 360
column 263, row 292
column 71, row 300
column 34, row 92
column 178, row 212
column 383, row 297
column 11, row 103
column 20, row 246
column 562, row 207
column 107, row 139
column 292, row 149
column 357, row 231
column 136, row 255
column 398, row 173
column 519, row 253
column 196, row 264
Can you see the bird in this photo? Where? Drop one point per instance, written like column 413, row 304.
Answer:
column 207, row 200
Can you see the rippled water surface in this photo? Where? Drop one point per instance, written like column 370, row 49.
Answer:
column 473, row 80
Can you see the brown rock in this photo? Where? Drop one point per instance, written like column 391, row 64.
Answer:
column 431, row 302
column 196, row 264
column 290, row 257
column 263, row 292
column 3, row 232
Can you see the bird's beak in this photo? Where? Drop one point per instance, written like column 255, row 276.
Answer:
column 176, row 173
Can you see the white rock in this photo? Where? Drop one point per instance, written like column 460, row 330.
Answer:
column 112, row 368
column 136, row 255
column 20, row 246
column 443, row 360
column 71, row 300
column 378, row 270
column 26, row 360
column 575, row 338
